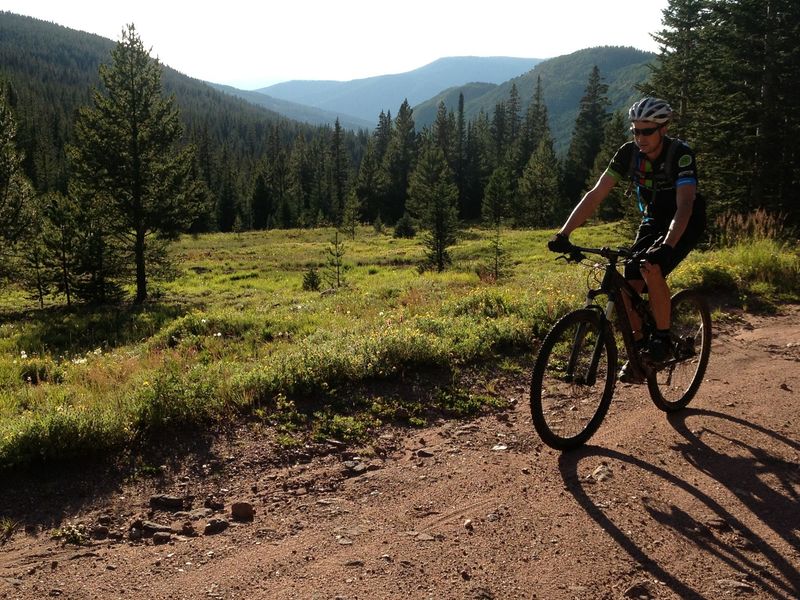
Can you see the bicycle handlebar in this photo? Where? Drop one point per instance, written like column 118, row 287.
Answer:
column 576, row 253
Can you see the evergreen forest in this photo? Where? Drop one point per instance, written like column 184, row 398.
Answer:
column 91, row 193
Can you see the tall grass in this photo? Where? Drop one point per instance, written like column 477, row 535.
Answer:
column 236, row 334
column 733, row 228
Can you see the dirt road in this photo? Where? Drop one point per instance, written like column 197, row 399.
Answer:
column 702, row 504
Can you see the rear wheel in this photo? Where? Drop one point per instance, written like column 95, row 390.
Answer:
column 673, row 386
column 573, row 379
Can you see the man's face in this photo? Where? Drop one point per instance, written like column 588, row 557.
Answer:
column 647, row 135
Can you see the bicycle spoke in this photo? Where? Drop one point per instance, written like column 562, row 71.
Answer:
column 573, row 380
column 674, row 386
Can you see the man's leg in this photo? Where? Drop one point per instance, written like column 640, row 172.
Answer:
column 658, row 291
column 627, row 374
column 633, row 316
column 659, row 347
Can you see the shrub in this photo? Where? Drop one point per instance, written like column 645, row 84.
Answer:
column 404, row 228
column 311, row 280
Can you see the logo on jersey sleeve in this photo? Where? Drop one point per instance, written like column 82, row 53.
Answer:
column 685, row 160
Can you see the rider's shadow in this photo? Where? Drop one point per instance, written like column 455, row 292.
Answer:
column 765, row 484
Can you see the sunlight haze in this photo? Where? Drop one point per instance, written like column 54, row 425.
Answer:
column 249, row 45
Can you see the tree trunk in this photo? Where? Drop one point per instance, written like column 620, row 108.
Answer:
column 141, row 276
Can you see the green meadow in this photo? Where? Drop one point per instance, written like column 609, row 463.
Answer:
column 235, row 338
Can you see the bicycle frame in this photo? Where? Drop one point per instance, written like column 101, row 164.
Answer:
column 613, row 286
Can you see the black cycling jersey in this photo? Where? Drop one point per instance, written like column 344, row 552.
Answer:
column 655, row 181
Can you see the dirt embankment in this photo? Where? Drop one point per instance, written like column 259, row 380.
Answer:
column 701, row 504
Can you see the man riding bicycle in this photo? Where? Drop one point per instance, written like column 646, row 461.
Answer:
column 664, row 173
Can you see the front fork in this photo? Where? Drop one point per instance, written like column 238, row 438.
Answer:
column 590, row 377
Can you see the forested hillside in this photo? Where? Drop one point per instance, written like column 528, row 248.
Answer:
column 49, row 72
column 563, row 81
column 493, row 154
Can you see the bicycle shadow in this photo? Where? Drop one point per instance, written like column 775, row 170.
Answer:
column 730, row 540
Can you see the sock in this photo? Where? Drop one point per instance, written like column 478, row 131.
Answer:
column 662, row 336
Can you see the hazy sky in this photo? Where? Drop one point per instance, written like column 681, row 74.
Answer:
column 251, row 44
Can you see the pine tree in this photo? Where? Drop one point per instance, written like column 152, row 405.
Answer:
column 587, row 137
column 460, row 158
column 617, row 204
column 16, row 192
column 102, row 262
column 61, row 226
column 351, row 214
column 537, row 203
column 299, row 184
column 500, row 135
column 477, row 161
column 514, row 119
column 261, row 201
column 311, row 280
column 535, row 126
column 496, row 201
column 370, row 184
column 339, row 173
column 404, row 228
column 399, row 162
column 497, row 197
column 126, row 153
column 34, row 276
column 443, row 132
column 335, row 267
column 382, row 135
column 278, row 180
column 226, row 193
column 432, row 201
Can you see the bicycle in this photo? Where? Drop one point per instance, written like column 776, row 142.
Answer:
column 575, row 372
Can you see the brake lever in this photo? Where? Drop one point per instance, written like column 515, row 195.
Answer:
column 576, row 256
column 573, row 256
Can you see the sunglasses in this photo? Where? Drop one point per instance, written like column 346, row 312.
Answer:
column 645, row 131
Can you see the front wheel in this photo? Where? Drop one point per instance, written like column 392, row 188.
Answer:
column 573, row 379
column 674, row 386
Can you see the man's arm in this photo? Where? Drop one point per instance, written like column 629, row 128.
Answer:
column 684, row 199
column 589, row 203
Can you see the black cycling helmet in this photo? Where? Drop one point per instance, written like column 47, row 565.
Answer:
column 650, row 109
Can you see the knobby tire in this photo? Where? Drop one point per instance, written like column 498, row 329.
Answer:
column 673, row 386
column 573, row 379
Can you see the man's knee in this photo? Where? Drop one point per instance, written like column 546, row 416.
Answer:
column 651, row 271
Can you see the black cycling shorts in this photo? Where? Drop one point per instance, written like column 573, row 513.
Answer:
column 649, row 233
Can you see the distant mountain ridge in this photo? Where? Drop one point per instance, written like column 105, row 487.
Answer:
column 297, row 112
column 564, row 80
column 366, row 98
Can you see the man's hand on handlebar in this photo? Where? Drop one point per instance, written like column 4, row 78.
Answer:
column 658, row 254
column 560, row 243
